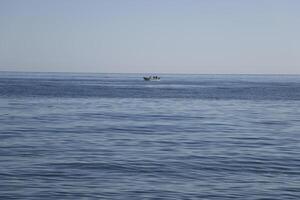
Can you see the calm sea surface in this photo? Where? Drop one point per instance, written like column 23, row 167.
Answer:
column 115, row 136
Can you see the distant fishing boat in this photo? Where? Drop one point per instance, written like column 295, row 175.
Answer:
column 152, row 78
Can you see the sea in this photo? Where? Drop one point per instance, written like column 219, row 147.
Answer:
column 115, row 136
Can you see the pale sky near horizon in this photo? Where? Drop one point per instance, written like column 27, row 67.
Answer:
column 150, row 36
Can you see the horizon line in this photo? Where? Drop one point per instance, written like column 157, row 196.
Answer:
column 81, row 72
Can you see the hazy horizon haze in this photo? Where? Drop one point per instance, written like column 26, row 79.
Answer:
column 189, row 37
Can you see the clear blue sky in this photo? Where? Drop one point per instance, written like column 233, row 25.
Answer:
column 170, row 36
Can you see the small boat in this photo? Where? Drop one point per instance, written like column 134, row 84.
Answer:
column 152, row 78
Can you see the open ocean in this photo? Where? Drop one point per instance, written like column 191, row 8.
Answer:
column 115, row 136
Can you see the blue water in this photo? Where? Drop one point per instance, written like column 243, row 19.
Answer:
column 115, row 136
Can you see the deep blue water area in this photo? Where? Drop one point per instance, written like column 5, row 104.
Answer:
column 116, row 136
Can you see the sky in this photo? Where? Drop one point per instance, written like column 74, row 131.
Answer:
column 151, row 36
